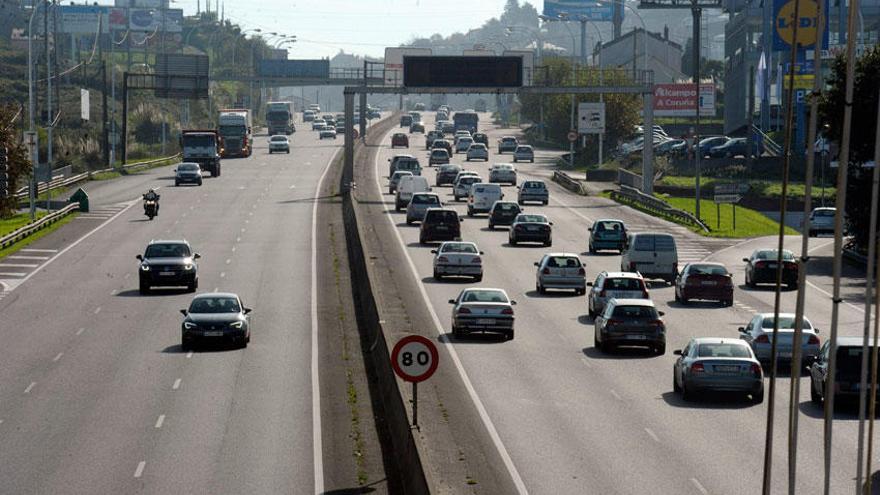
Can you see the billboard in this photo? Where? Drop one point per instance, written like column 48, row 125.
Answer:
column 592, row 10
column 394, row 63
column 83, row 19
column 117, row 19
column 679, row 100
column 807, row 24
column 149, row 20
column 445, row 71
column 317, row 69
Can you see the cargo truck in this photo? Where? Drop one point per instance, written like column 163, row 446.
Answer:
column 234, row 126
column 202, row 146
column 279, row 117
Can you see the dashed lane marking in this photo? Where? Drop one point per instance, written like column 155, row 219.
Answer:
column 34, row 250
column 12, row 274
column 30, row 387
column 652, row 435
column 80, row 331
column 176, row 384
column 160, row 421
column 189, row 354
column 19, row 257
column 699, row 486
column 139, row 471
column 18, row 265
column 57, row 357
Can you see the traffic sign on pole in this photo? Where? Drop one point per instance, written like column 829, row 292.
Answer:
column 414, row 359
column 572, row 136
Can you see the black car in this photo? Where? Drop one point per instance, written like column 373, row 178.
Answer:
column 406, row 120
column 507, row 143
column 503, row 213
column 215, row 316
column 440, row 224
column 761, row 268
column 430, row 137
column 168, row 264
column 444, row 144
column 447, row 174
column 847, row 377
column 481, row 137
column 531, row 228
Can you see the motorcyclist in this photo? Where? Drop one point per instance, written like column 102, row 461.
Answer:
column 151, row 195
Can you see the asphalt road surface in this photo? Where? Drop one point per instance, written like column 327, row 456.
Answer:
column 574, row 420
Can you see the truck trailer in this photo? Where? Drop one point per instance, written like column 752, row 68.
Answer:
column 234, row 126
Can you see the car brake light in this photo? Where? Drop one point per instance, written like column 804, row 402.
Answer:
column 507, row 311
column 546, row 271
column 762, row 339
column 814, row 340
column 581, row 271
column 697, row 368
column 656, row 323
column 760, row 264
column 614, row 322
column 477, row 260
column 756, row 369
column 464, row 311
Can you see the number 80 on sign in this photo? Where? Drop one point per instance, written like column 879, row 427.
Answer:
column 414, row 358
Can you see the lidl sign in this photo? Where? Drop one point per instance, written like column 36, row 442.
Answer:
column 784, row 23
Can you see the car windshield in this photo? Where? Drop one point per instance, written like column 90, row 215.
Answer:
column 531, row 219
column 723, row 350
column 707, row 270
column 478, row 146
column 634, row 312
column 167, row 251
column 772, row 254
column 622, row 284
column 456, row 247
column 495, row 296
column 215, row 305
column 426, row 199
column 439, row 153
column 563, row 262
column 785, row 322
column 279, row 139
column 450, row 169
column 187, row 167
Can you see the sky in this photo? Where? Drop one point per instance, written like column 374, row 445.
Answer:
column 362, row 27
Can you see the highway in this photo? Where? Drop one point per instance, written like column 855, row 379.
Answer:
column 96, row 395
column 574, row 420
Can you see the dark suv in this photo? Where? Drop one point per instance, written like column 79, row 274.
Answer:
column 503, row 213
column 440, row 224
column 168, row 264
column 847, row 378
column 481, row 137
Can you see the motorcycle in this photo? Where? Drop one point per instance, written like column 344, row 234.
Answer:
column 151, row 208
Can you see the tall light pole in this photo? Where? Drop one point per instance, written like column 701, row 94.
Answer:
column 239, row 37
column 571, row 127
column 35, row 150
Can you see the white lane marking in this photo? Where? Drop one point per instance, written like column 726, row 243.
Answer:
column 113, row 292
column 652, row 435
column 77, row 242
column 160, row 421
column 699, row 487
column 80, row 331
column 233, row 249
column 19, row 257
column 228, row 261
column 34, row 250
column 18, row 265
column 586, row 362
column 438, row 327
column 216, row 289
column 140, row 469
column 13, row 274
column 243, row 229
column 615, row 394
column 189, row 354
column 30, row 387
column 98, row 310
column 57, row 357
column 292, row 187
column 238, row 239
column 176, row 384
column 222, row 274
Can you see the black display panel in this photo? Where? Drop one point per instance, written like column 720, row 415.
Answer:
column 421, row 71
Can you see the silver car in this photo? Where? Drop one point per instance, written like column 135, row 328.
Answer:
column 395, row 180
column 188, row 172
column 279, row 144
column 560, row 271
column 759, row 335
column 611, row 285
column 477, row 151
column 328, row 132
column 524, row 153
column 463, row 143
column 822, row 221
column 419, row 204
column 503, row 172
column 458, row 258
column 482, row 310
column 717, row 364
column 533, row 190
column 463, row 185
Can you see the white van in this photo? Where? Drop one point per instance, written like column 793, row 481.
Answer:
column 652, row 254
column 408, row 186
column 482, row 196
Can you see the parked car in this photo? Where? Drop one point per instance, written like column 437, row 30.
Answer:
column 215, row 316
column 440, row 224
column 463, row 143
column 502, row 173
column 758, row 333
column 822, row 221
column 524, row 153
column 170, row 263
column 507, row 143
column 503, row 213
column 709, row 142
column 395, row 179
column 668, row 147
column 712, row 364
column 446, row 174
column 407, row 187
column 279, row 143
column 653, row 254
column 531, row 228
column 190, row 173
column 607, row 234
column 734, row 147
column 631, row 323
column 614, row 285
column 482, row 310
column 462, row 186
column 438, row 156
column 419, row 204
column 477, row 151
column 399, row 139
column 848, row 371
column 481, row 137
column 533, row 190
column 560, row 271
column 761, row 268
column 458, row 259
column 704, row 280
column 481, row 197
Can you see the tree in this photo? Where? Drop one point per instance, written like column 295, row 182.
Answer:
column 864, row 118
column 19, row 164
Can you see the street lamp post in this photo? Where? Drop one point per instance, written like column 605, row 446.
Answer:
column 561, row 17
column 239, row 37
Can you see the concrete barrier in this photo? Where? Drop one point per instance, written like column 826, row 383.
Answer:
column 564, row 180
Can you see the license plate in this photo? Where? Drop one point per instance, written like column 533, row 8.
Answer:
column 213, row 334
column 771, row 265
column 166, row 273
column 727, row 369
column 442, row 227
column 485, row 321
column 532, row 229
column 636, row 337
column 709, row 282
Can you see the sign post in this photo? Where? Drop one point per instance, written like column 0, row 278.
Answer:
column 728, row 193
column 414, row 359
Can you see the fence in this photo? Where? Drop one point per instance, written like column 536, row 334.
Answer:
column 633, row 197
column 40, row 224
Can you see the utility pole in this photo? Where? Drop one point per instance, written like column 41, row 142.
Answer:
column 49, row 120
column 696, row 11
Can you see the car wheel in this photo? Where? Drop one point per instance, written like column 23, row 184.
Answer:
column 660, row 350
column 437, row 276
column 470, row 212
column 548, row 243
column 144, row 288
column 185, row 345
column 595, row 339
column 532, row 160
column 193, row 286
column 408, row 221
column 675, row 387
column 456, row 333
column 509, row 335
column 591, row 249
column 815, row 398
column 590, row 311
column 512, row 241
column 478, row 278
column 288, row 152
column 605, row 346
column 758, row 398
column 685, row 394
column 540, row 289
column 200, row 183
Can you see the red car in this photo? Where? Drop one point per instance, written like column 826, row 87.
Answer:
column 399, row 139
column 709, row 281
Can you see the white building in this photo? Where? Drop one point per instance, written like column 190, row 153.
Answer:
column 628, row 51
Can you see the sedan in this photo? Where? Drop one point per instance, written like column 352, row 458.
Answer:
column 328, row 132
column 417, row 127
column 318, row 124
column 524, row 153
column 188, row 173
column 463, row 144
column 502, row 172
column 458, row 258
column 399, row 139
column 215, row 316
column 717, row 364
column 503, row 213
column 482, row 310
column 706, row 144
column 759, row 335
column 431, row 137
column 419, row 204
column 761, row 268
column 446, row 174
column 630, row 322
column 531, row 228
column 709, row 281
column 438, row 156
column 477, row 151
column 279, row 144
column 560, row 271
column 481, row 137
column 507, row 143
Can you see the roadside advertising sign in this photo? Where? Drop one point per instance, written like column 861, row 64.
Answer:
column 83, row 19
column 807, row 23
column 149, row 20
column 679, row 100
column 802, row 81
column 592, row 10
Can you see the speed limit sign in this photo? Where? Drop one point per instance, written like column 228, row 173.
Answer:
column 414, row 358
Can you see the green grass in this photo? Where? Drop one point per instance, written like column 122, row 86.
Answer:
column 17, row 221
column 36, row 236
column 749, row 223
column 765, row 188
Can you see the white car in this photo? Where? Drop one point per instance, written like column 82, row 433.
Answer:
column 419, row 204
column 482, row 310
column 822, row 221
column 503, row 172
column 460, row 134
column 458, row 258
column 328, row 132
column 279, row 144
column 463, row 183
column 477, row 151
column 524, row 153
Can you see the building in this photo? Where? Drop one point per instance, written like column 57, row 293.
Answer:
column 628, row 51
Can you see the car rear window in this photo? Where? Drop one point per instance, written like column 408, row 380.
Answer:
column 603, row 226
column 442, row 216
column 167, row 251
column 506, row 207
column 707, row 270
column 634, row 312
column 531, row 219
column 849, row 361
column 563, row 262
column 439, row 153
column 823, row 213
column 533, row 185
column 622, row 284
column 729, row 350
column 459, row 248
column 279, row 138
column 478, row 146
column 772, row 254
column 469, row 179
column 485, row 296
column 508, row 140
column 523, row 149
column 784, row 322
column 654, row 243
column 425, row 199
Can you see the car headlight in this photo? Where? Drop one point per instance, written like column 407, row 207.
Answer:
column 188, row 266
column 236, row 324
column 145, row 267
column 189, row 325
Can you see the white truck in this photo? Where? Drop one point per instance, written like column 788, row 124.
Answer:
column 234, row 126
column 279, row 117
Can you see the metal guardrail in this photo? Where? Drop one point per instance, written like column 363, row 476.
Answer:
column 652, row 204
column 40, row 224
column 564, row 180
column 771, row 147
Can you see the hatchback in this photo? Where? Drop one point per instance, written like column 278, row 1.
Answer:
column 614, row 285
column 419, row 204
column 759, row 335
column 531, row 228
column 399, row 139
column 188, row 173
column 482, row 310
column 503, row 173
column 607, row 234
column 481, row 137
column 463, row 143
column 533, row 190
column 524, row 153
column 503, row 213
column 718, row 365
column 507, row 143
column 822, row 221
column 430, row 137
column 630, row 322
column 560, row 271
column 709, row 281
column 761, row 268
column 477, row 151
column 215, row 316
column 440, row 224
column 458, row 258
column 462, row 186
column 442, row 144
column 446, row 174
column 438, row 156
